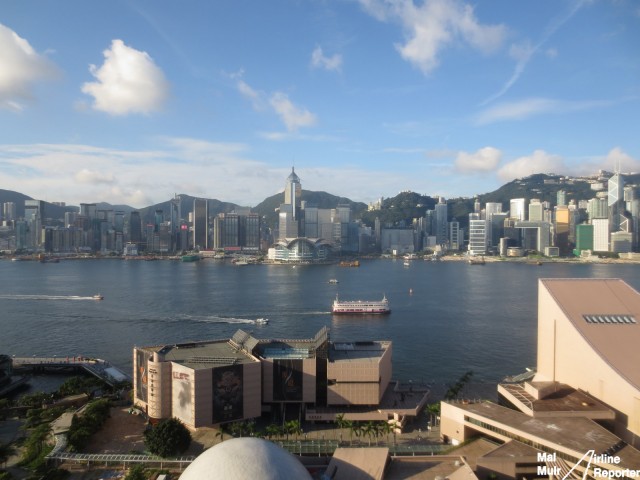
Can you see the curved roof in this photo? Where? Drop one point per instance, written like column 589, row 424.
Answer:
column 245, row 458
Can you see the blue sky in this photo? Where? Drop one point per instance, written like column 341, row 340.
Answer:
column 133, row 101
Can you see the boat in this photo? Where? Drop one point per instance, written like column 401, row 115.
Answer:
column 333, row 281
column 191, row 257
column 98, row 297
column 476, row 261
column 360, row 307
column 407, row 263
column 262, row 321
column 344, row 263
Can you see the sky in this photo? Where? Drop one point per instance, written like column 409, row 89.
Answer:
column 130, row 102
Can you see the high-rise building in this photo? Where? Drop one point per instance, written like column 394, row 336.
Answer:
column 615, row 192
column 562, row 223
column 33, row 214
column 289, row 219
column 561, row 198
column 9, row 211
column 517, row 209
column 442, row 222
column 477, row 235
column 135, row 228
column 200, row 224
column 536, row 211
column 455, row 237
column 600, row 234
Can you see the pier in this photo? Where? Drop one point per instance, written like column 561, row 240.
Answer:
column 61, row 364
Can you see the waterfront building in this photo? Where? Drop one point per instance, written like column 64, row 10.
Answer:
column 477, row 235
column 534, row 236
column 213, row 382
column 621, row 242
column 34, row 212
column 301, row 250
column 584, row 238
column 135, row 228
column 632, row 202
column 441, row 210
column 200, row 224
column 615, row 200
column 397, row 240
column 600, row 234
column 496, row 229
column 455, row 235
column 581, row 407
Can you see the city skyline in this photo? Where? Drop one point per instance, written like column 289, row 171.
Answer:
column 372, row 98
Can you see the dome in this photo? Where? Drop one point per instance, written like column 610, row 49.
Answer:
column 245, row 459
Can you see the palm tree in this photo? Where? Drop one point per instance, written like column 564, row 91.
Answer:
column 371, row 429
column 293, row 427
column 272, row 430
column 357, row 428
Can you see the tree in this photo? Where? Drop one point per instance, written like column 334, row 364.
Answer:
column 272, row 430
column 167, row 439
column 454, row 390
column 136, row 473
column 6, row 451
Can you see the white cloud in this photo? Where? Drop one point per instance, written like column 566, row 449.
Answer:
column 20, row 67
column 293, row 116
column 618, row 160
column 93, row 177
column 483, row 160
column 128, row 81
column 538, row 162
column 434, row 24
column 319, row 60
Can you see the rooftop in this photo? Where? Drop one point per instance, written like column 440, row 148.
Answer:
column 201, row 355
column 358, row 351
column 616, row 339
column 575, row 434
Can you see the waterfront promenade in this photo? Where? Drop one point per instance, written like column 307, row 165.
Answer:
column 60, row 363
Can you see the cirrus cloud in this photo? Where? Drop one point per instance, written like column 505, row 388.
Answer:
column 20, row 67
column 128, row 81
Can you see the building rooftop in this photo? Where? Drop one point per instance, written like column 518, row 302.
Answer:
column 200, row 355
column 358, row 351
column 358, row 463
column 606, row 312
column 575, row 434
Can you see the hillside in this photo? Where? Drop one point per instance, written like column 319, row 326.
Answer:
column 54, row 212
column 267, row 208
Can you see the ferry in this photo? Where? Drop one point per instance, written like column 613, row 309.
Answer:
column 333, row 281
column 262, row 321
column 98, row 297
column 360, row 307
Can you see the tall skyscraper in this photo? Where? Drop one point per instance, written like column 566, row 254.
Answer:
column 288, row 224
column 442, row 222
column 615, row 191
column 200, row 223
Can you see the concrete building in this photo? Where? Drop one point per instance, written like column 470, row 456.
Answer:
column 478, row 235
column 214, row 382
column 517, row 209
column 582, row 408
column 600, row 234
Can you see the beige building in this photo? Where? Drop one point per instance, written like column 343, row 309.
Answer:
column 209, row 383
column 589, row 338
column 583, row 404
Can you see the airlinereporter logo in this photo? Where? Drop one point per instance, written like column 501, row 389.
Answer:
column 590, row 462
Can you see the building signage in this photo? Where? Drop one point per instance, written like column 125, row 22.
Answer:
column 181, row 376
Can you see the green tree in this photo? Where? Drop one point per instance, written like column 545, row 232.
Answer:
column 136, row 472
column 168, row 439
column 272, row 430
column 455, row 389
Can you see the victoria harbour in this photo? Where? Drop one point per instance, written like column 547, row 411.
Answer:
column 446, row 317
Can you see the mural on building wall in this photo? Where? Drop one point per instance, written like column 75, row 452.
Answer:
column 227, row 394
column 142, row 375
column 182, row 405
column 287, row 380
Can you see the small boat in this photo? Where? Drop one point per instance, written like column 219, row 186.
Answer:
column 98, row 297
column 262, row 321
column 333, row 281
column 407, row 263
column 476, row 261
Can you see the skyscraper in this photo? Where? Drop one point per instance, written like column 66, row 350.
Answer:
column 200, row 223
column 289, row 225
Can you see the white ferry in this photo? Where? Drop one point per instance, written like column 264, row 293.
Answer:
column 360, row 307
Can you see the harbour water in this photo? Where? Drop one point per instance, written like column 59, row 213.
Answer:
column 446, row 317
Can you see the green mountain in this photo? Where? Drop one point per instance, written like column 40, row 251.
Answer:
column 51, row 211
column 267, row 208
column 186, row 205
column 400, row 210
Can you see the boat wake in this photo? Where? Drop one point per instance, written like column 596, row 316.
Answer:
column 45, row 297
column 216, row 319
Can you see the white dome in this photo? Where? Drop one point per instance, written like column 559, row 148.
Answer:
column 245, row 459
